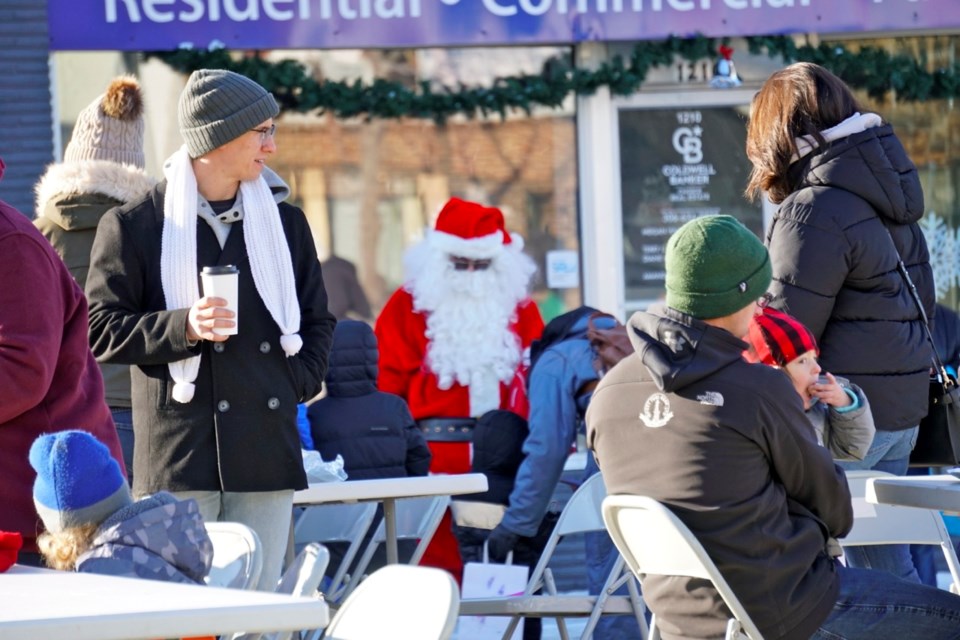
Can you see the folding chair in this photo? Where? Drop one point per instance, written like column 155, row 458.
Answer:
column 417, row 519
column 237, row 556
column 888, row 524
column 302, row 578
column 327, row 523
column 653, row 540
column 580, row 515
column 400, row 602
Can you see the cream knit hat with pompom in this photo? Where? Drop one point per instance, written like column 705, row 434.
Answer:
column 111, row 127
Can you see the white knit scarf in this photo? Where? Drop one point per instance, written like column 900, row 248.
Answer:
column 267, row 250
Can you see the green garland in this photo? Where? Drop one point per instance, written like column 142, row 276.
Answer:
column 870, row 68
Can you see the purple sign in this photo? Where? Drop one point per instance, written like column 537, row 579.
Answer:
column 141, row 25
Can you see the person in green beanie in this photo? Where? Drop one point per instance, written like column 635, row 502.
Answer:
column 725, row 444
column 215, row 389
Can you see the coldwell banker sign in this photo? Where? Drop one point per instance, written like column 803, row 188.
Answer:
column 272, row 24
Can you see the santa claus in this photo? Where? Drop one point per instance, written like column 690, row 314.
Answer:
column 453, row 337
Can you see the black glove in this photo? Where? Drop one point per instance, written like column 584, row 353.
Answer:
column 500, row 542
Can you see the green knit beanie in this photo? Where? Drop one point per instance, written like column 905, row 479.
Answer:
column 218, row 106
column 715, row 267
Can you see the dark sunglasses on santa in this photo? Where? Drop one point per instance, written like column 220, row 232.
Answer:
column 466, row 264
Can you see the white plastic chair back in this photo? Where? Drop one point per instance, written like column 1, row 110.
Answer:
column 237, row 556
column 654, row 541
column 399, row 602
column 335, row 523
column 417, row 519
column 302, row 578
column 888, row 524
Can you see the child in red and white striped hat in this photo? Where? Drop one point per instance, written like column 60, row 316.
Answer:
column 837, row 408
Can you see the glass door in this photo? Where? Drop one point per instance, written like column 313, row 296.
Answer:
column 681, row 156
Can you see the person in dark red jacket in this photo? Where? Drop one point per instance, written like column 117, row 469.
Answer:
column 49, row 380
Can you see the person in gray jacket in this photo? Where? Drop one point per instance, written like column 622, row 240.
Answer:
column 837, row 409
column 725, row 445
column 849, row 203
column 94, row 526
column 215, row 414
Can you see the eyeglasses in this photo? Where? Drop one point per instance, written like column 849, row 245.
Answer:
column 266, row 133
column 466, row 264
column 764, row 300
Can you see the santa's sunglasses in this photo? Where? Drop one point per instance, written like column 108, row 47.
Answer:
column 466, row 264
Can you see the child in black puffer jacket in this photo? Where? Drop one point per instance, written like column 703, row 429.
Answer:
column 372, row 430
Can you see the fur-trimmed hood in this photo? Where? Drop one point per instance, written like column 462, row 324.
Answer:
column 120, row 182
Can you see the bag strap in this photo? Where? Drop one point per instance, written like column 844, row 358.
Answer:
column 915, row 295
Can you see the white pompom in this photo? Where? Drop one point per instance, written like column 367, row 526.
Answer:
column 183, row 391
column 291, row 344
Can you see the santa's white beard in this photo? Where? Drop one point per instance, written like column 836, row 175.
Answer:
column 468, row 324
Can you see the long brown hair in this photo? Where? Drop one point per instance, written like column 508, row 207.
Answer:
column 800, row 100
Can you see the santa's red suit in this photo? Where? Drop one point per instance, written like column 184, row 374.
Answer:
column 431, row 379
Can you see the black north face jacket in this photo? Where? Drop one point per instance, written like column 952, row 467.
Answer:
column 726, row 446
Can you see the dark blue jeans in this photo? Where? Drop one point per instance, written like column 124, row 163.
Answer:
column 889, row 452
column 878, row 606
column 123, row 420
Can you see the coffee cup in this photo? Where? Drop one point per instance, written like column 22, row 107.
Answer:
column 221, row 282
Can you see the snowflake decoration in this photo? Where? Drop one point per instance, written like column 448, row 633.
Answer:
column 942, row 243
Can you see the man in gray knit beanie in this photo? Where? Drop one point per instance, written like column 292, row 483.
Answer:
column 214, row 400
column 218, row 106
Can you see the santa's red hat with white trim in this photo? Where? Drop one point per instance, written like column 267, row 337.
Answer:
column 471, row 230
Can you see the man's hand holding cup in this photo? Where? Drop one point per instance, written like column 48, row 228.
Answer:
column 214, row 316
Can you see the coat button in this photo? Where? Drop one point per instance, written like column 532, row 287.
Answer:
column 273, row 403
column 218, row 347
column 223, row 406
column 264, row 347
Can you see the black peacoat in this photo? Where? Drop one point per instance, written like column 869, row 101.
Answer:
column 239, row 432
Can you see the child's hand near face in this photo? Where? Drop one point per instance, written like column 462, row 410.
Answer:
column 829, row 391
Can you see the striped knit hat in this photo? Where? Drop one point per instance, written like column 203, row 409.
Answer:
column 777, row 339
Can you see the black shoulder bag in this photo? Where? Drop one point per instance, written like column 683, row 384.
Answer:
column 938, row 442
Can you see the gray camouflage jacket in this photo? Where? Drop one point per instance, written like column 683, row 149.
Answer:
column 157, row 538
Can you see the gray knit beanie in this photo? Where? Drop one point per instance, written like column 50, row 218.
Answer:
column 218, row 106
column 111, row 127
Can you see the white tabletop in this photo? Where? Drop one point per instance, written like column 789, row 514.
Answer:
column 391, row 488
column 40, row 603
column 927, row 492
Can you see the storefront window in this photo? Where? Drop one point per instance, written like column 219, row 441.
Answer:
column 371, row 188
column 930, row 131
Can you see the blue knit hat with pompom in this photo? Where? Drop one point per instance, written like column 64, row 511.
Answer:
column 78, row 481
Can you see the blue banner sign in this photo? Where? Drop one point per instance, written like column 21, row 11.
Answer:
column 140, row 25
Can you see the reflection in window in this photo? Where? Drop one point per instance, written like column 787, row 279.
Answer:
column 371, row 188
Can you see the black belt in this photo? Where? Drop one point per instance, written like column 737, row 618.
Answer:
column 447, row 429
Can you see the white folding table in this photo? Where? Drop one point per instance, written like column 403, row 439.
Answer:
column 41, row 603
column 388, row 491
column 927, row 492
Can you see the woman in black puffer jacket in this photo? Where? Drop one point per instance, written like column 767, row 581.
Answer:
column 372, row 430
column 850, row 200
